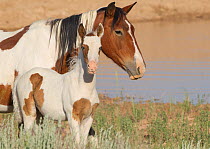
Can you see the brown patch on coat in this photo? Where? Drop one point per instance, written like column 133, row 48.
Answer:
column 85, row 52
column 81, row 109
column 62, row 64
column 94, row 108
column 38, row 93
column 5, row 95
column 16, row 74
column 10, row 42
column 53, row 68
column 29, row 107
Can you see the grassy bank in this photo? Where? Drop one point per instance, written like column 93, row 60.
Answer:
column 156, row 125
column 123, row 125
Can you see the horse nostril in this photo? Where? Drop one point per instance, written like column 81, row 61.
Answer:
column 138, row 70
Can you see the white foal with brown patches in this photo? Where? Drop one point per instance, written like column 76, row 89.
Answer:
column 71, row 96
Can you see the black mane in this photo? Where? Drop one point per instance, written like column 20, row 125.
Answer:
column 65, row 35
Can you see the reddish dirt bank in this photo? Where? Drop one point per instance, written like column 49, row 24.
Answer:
column 19, row 13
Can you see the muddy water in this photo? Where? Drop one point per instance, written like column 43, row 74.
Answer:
column 178, row 64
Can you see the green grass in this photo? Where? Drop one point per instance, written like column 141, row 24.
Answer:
column 120, row 125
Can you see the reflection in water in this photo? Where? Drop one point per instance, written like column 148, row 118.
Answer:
column 178, row 64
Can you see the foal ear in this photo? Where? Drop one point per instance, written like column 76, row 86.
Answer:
column 126, row 9
column 110, row 10
column 100, row 30
column 82, row 31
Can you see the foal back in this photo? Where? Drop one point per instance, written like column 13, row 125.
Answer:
column 39, row 88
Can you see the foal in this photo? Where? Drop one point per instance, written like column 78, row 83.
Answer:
column 71, row 96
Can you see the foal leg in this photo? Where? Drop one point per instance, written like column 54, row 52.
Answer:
column 85, row 128
column 28, row 122
column 36, row 94
column 29, row 112
column 74, row 128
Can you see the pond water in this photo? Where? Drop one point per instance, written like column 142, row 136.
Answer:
column 178, row 64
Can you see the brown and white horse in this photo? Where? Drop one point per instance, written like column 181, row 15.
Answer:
column 47, row 44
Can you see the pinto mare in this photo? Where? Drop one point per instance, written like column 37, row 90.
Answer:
column 48, row 44
column 70, row 96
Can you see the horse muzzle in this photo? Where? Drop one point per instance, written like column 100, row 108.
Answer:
column 92, row 67
column 135, row 72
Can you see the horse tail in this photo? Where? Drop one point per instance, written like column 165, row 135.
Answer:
column 16, row 103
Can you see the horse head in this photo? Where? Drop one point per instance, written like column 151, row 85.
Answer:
column 119, row 42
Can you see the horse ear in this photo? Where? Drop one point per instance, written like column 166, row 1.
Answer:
column 110, row 10
column 126, row 9
column 82, row 31
column 100, row 30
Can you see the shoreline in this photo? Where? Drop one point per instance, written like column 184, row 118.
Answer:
column 174, row 19
column 168, row 19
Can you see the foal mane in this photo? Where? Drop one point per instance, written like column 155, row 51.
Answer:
column 67, row 38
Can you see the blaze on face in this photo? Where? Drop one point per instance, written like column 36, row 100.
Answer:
column 91, row 48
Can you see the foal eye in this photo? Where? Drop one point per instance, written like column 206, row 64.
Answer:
column 99, row 50
column 118, row 33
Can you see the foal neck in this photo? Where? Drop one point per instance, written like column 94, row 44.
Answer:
column 80, row 71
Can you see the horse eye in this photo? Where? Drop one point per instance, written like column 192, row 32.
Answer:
column 82, row 47
column 118, row 33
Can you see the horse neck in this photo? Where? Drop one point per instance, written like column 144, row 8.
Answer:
column 80, row 75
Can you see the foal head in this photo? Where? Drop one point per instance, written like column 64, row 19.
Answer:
column 91, row 47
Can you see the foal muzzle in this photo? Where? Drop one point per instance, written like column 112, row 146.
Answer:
column 92, row 67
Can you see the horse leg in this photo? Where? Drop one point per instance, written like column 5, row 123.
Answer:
column 91, row 131
column 5, row 98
